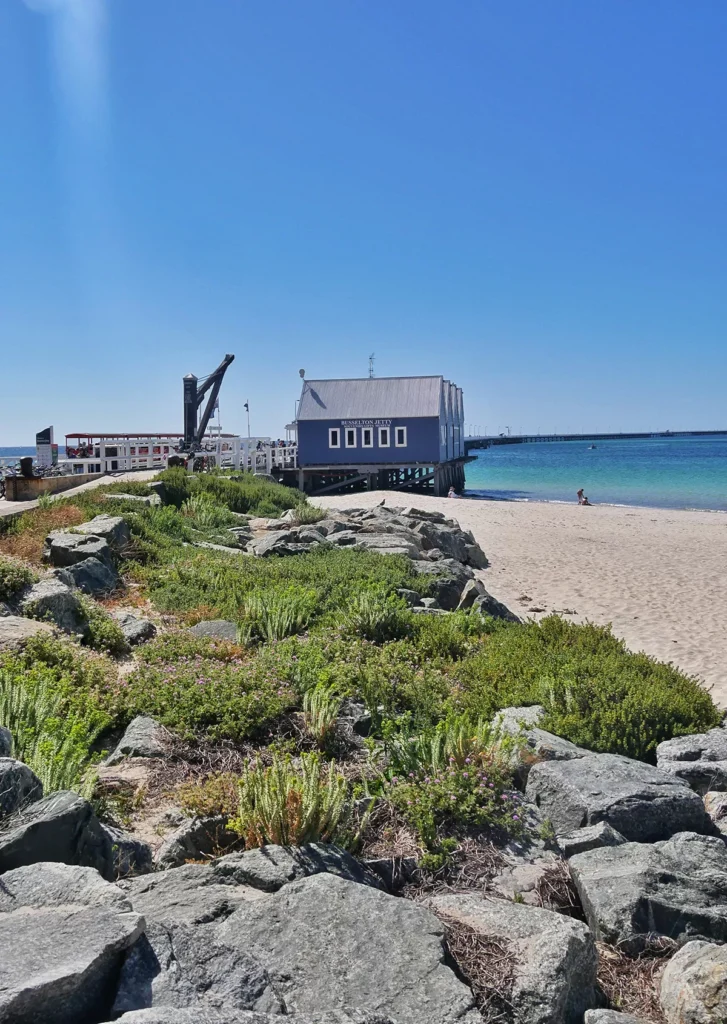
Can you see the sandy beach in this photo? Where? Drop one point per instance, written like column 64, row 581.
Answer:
column 658, row 576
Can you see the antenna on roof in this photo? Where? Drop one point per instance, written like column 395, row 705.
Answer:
column 371, row 365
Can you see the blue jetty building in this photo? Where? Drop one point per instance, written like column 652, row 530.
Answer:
column 380, row 432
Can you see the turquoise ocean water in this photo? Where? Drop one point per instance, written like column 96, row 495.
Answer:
column 662, row 472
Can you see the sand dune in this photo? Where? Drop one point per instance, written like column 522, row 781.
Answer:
column 658, row 576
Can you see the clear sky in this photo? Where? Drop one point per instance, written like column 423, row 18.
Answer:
column 527, row 197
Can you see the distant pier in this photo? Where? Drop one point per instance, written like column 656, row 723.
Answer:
column 484, row 441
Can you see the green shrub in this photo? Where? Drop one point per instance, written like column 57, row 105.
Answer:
column 207, row 513
column 207, row 798
column 290, row 806
column 54, row 744
column 103, row 632
column 273, row 615
column 455, row 740
column 212, row 695
column 239, row 492
column 320, row 712
column 376, row 617
column 596, row 693
column 307, row 515
column 14, row 577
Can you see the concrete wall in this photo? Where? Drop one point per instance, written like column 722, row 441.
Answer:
column 20, row 488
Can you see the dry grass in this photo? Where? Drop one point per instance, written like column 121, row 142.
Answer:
column 555, row 891
column 631, row 984
column 387, row 834
column 487, row 965
column 26, row 535
column 471, row 868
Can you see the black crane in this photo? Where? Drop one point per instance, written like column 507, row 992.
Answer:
column 193, row 395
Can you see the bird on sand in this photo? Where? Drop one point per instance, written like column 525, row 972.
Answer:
column 382, row 502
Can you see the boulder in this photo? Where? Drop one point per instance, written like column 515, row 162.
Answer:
column 190, row 895
column 330, row 527
column 641, row 802
column 487, row 605
column 136, row 630
column 610, row 1017
column 394, row 872
column 328, row 943
column 16, row 631
column 54, row 885
column 448, row 539
column 694, row 985
column 6, row 742
column 61, row 827
column 144, row 737
column 699, row 759
column 475, row 556
column 527, row 862
column 472, row 590
column 92, row 577
column 715, row 805
column 18, row 786
column 220, row 628
column 675, row 888
column 447, row 580
column 60, row 963
column 388, row 544
column 410, row 512
column 282, row 542
column 272, row 867
column 592, row 837
column 137, row 499
column 411, row 597
column 194, row 839
column 555, row 956
column 113, row 529
column 63, row 549
column 200, row 1015
column 129, row 855
column 52, row 601
column 538, row 745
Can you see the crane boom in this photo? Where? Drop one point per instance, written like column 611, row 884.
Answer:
column 193, row 398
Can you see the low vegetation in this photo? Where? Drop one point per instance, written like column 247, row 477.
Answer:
column 316, row 633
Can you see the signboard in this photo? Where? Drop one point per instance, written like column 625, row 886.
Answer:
column 45, row 451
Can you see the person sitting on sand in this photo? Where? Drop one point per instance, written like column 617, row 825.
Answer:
column 452, row 493
column 582, row 499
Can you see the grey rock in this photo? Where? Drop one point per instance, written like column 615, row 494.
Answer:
column 113, row 529
column 676, row 888
column 63, row 549
column 136, row 630
column 283, row 542
column 272, row 867
column 447, row 580
column 61, row 827
column 694, row 985
column 60, row 963
column 330, row 527
column 137, row 499
column 16, row 631
column 202, row 1015
column 410, row 512
column 327, row 944
column 428, row 611
column 592, row 837
column 430, row 603
column 641, row 802
column 190, row 895
column 18, row 786
column 54, row 885
column 219, row 628
column 556, row 958
column 5, row 609
column 194, row 839
column 487, row 605
column 449, row 540
column 527, row 862
column 411, row 597
column 129, row 855
column 144, row 737
column 473, row 589
column 310, row 535
column 699, row 759
column 6, row 742
column 475, row 556
column 433, row 555
column 92, row 577
column 51, row 600
column 538, row 745
column 357, row 716
column 715, row 805
column 512, row 720
column 610, row 1017
column 388, row 544
column 344, row 538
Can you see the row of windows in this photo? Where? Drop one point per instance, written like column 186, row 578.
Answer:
column 350, row 437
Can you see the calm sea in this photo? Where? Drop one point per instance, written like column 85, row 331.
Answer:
column 664, row 472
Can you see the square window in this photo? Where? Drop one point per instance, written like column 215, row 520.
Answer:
column 334, row 438
column 350, row 437
column 400, row 437
column 383, row 437
column 367, row 437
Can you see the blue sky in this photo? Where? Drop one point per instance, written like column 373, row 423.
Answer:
column 526, row 197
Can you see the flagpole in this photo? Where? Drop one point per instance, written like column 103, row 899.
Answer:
column 247, row 409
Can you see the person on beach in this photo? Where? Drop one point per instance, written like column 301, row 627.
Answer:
column 452, row 493
column 582, row 499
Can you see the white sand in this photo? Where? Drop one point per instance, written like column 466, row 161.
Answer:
column 658, row 576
